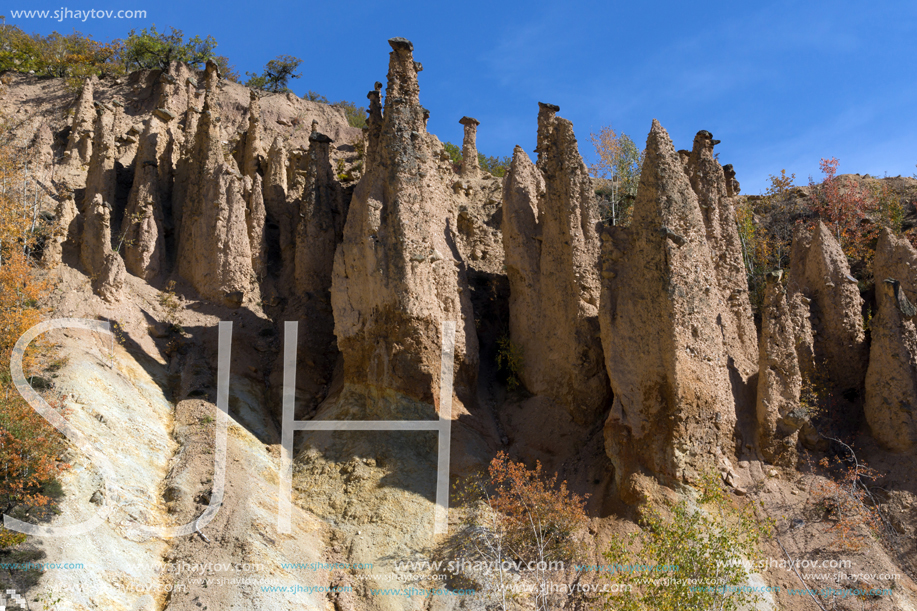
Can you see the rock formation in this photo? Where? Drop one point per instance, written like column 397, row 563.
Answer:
column 101, row 177
column 396, row 273
column 143, row 225
column 779, row 378
column 104, row 266
column 710, row 184
column 891, row 379
column 552, row 250
column 674, row 412
column 322, row 212
column 819, row 272
column 79, row 142
column 470, row 166
column 253, row 152
column 280, row 236
column 214, row 253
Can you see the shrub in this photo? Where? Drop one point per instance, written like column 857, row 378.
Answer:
column 699, row 555
column 30, row 449
column 151, row 49
column 510, row 360
column 455, row 155
column 495, row 165
column 356, row 115
column 514, row 513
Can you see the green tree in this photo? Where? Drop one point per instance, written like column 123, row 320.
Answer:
column 276, row 75
column 495, row 165
column 619, row 164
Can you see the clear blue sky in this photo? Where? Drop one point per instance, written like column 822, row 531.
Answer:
column 782, row 84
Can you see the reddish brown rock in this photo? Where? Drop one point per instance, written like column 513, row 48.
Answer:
column 674, row 412
column 552, row 250
column 396, row 278
column 891, row 379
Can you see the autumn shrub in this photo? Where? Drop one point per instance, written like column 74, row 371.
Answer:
column 843, row 500
column 515, row 514
column 697, row 555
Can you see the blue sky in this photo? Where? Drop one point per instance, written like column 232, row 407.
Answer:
column 782, row 84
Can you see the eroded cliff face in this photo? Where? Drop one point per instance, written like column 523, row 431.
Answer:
column 891, row 378
column 665, row 346
column 552, row 249
column 398, row 274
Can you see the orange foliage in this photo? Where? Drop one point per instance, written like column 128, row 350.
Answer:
column 538, row 512
column 30, row 449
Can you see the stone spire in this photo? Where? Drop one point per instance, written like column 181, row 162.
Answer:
column 674, row 412
column 891, row 379
column 552, row 250
column 214, row 253
column 470, row 166
column 395, row 277
column 79, row 142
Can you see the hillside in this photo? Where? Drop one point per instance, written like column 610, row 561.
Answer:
column 493, row 314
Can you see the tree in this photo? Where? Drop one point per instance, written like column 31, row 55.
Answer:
column 699, row 555
column 620, row 162
column 227, row 71
column 151, row 49
column 497, row 166
column 276, row 75
column 766, row 231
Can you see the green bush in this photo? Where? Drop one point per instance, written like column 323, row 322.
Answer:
column 356, row 115
column 151, row 49
column 495, row 165
column 510, row 361
column 698, row 555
